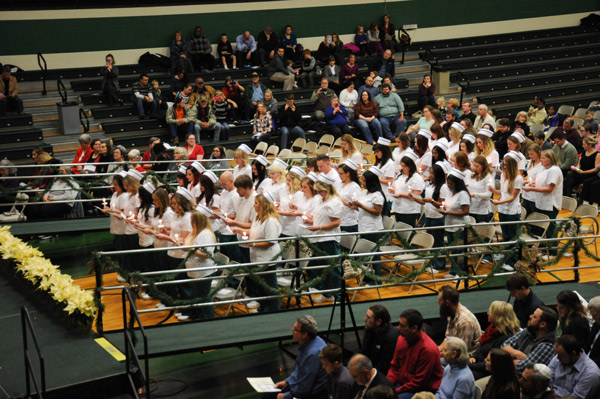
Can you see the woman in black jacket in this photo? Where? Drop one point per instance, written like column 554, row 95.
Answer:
column 572, row 317
column 110, row 81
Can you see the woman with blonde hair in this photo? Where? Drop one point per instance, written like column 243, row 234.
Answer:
column 349, row 150
column 131, row 203
column 457, row 380
column 266, row 226
column 485, row 146
column 521, row 122
column 509, row 204
column 326, row 220
column 242, row 165
column 201, row 234
column 288, row 196
column 481, row 178
column 503, row 325
column 534, row 166
column 277, row 173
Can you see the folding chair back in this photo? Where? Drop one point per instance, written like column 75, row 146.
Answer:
column 569, row 204
column 347, row 242
column 326, row 139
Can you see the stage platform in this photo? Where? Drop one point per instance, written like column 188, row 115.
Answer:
column 243, row 330
column 76, row 366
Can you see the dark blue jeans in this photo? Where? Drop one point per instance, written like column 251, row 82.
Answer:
column 438, row 239
column 509, row 232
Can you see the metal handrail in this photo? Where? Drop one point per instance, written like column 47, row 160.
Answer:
column 428, row 59
column 130, row 347
column 29, row 372
column 44, row 68
column 404, row 46
column 62, row 90
column 463, row 87
column 82, row 116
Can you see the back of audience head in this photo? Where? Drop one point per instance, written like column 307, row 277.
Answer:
column 568, row 305
column 450, row 294
column 535, row 379
column 331, row 356
column 381, row 392
column 516, row 284
column 503, row 317
column 361, row 368
column 456, row 351
column 424, row 395
column 568, row 349
column 308, row 325
column 594, row 308
column 381, row 317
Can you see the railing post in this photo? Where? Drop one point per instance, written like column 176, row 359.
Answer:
column 26, row 358
column 342, row 306
column 40, row 59
column 465, row 253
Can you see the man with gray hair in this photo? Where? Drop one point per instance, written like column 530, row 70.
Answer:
column 365, row 376
column 483, row 117
column 535, row 382
column 309, row 378
column 593, row 344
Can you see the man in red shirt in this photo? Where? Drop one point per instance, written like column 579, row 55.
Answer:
column 416, row 364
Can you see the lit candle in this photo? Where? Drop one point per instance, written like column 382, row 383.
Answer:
column 177, row 238
column 276, row 203
column 290, row 197
column 354, row 197
column 160, row 224
column 443, row 204
column 304, row 217
column 390, row 186
column 244, row 236
column 103, row 202
column 225, row 215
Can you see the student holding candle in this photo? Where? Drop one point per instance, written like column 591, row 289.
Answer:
column 131, row 203
column 407, row 186
column 348, row 194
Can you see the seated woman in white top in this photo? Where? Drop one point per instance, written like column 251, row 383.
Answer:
column 485, row 146
column 350, row 192
column 533, row 168
column 509, row 205
column 200, row 258
column 549, row 187
column 406, row 187
column 349, row 150
column 266, row 226
column 348, row 99
column 456, row 208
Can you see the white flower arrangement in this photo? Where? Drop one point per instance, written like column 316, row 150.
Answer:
column 41, row 272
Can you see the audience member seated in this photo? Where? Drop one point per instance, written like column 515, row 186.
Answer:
column 382, row 392
column 271, row 105
column 374, row 46
column 571, row 134
column 339, row 380
column 335, row 118
column 366, row 114
column 360, row 40
column 263, row 124
column 179, row 120
column 178, row 83
column 552, row 118
column 503, row 325
column 483, row 117
column 589, row 120
column 572, row 317
column 534, row 343
column 503, row 383
column 368, row 86
column 537, row 112
column 160, row 153
column 535, row 382
column 195, row 152
column 500, row 137
column 308, row 69
column 337, row 49
column 293, row 50
column 457, row 380
column 349, row 72
column 200, row 49
column 245, row 50
column 526, row 302
column 391, row 112
column 321, row 97
column 467, row 110
column 365, row 376
column 586, row 166
column 204, row 118
column 290, row 120
column 135, row 160
column 179, row 52
column 521, row 122
column 142, row 97
column 384, row 64
column 309, row 378
column 416, row 363
column 461, row 322
column 387, row 34
column 267, row 46
column 235, row 93
column 426, row 92
column 186, row 94
column 223, row 113
column 574, row 374
column 201, row 89
column 379, row 341
column 9, row 93
column 348, row 99
column 9, row 187
column 424, row 122
column 219, row 159
column 593, row 344
column 161, row 101
column 540, row 139
column 83, row 152
column 225, row 53
column 278, row 71
column 332, row 73
column 564, row 150
column 110, row 81
column 61, row 189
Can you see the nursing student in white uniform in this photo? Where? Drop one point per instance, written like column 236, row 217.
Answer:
column 454, row 135
column 210, row 198
column 436, row 193
column 514, row 143
column 262, row 182
column 229, row 201
column 461, row 162
column 402, row 147
column 350, row 192
column 349, row 150
column 244, row 214
column 265, row 226
column 326, row 220
column 176, row 233
column 311, row 201
column 456, row 208
column 485, row 146
column 117, row 218
column 199, row 258
column 406, row 187
column 438, row 152
column 424, row 160
column 291, row 194
column 277, row 172
column 481, row 197
column 534, row 166
column 242, row 165
column 131, row 203
column 467, row 145
column 324, row 166
column 549, row 187
column 385, row 163
column 193, row 176
column 509, row 204
column 143, row 223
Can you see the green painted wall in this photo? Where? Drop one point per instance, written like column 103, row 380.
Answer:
column 96, row 34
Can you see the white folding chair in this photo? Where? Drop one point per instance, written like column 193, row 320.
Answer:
column 364, row 246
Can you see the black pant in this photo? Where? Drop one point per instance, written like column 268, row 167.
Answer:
column 573, row 180
column 426, row 100
column 591, row 190
column 200, row 61
column 11, row 104
column 338, row 130
column 241, row 58
column 47, row 211
column 112, row 94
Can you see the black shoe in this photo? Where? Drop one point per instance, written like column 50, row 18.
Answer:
column 142, row 116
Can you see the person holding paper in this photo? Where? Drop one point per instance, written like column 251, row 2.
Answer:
column 309, row 378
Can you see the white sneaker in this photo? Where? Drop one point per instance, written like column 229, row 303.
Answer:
column 432, row 270
column 160, row 305
column 235, row 67
column 485, row 260
column 545, row 258
column 252, row 305
column 146, row 297
column 178, row 314
column 508, row 268
column 226, row 68
column 450, row 275
column 322, row 299
column 121, row 279
column 183, row 317
column 497, row 256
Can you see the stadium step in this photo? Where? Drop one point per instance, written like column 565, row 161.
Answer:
column 15, row 120
column 20, row 135
column 22, row 150
column 510, row 110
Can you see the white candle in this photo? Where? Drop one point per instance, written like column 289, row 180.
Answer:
column 103, row 202
column 290, row 197
column 177, row 238
column 443, row 204
column 225, row 215
column 304, row 217
column 244, row 236
column 354, row 198
column 160, row 224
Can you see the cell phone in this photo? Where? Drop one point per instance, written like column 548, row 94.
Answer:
column 329, row 39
